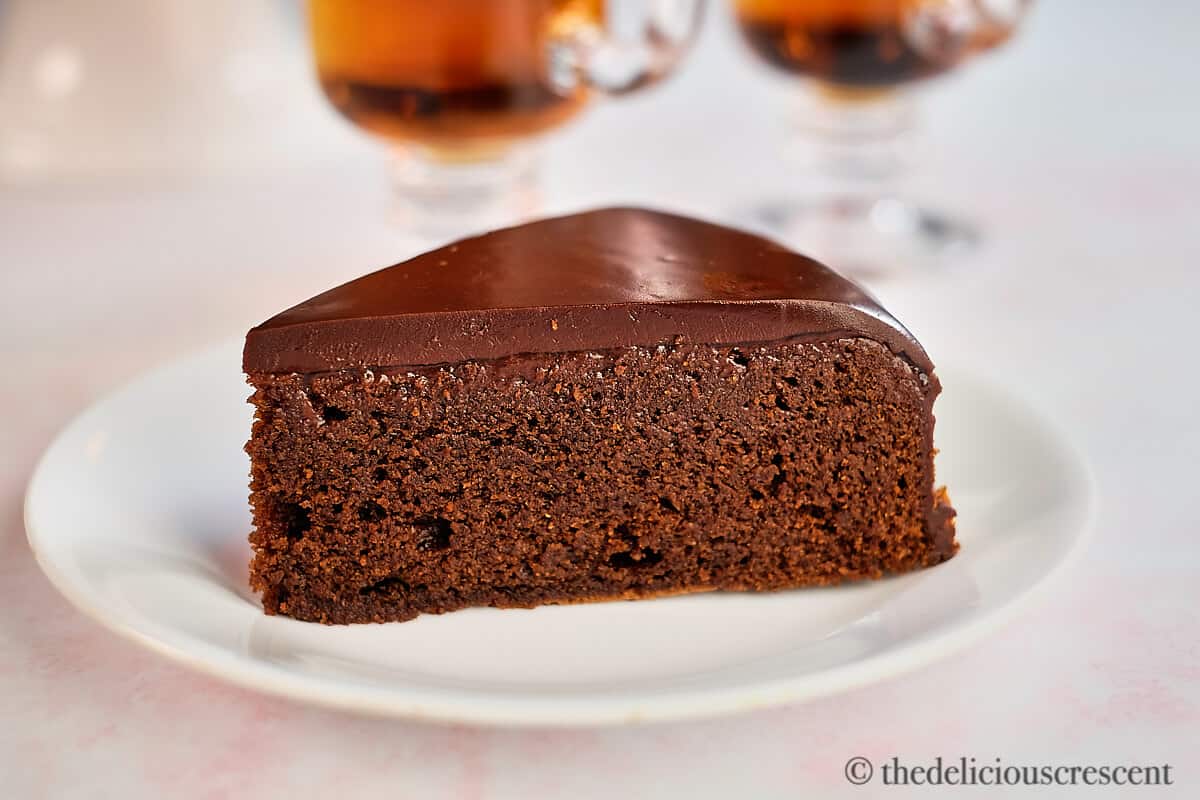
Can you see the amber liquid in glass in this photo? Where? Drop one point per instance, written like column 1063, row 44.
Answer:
column 866, row 44
column 452, row 75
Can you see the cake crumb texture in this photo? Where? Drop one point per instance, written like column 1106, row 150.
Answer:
column 380, row 494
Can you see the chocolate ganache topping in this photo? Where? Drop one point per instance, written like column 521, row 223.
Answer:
column 598, row 280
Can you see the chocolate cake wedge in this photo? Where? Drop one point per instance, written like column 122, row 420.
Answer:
column 615, row 404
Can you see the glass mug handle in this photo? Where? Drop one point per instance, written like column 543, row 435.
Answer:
column 637, row 44
column 946, row 31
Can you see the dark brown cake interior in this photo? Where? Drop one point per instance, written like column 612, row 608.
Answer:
column 383, row 493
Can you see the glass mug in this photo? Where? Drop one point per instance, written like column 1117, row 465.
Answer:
column 461, row 89
column 858, row 58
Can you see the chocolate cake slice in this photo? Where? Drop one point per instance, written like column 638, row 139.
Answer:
column 615, row 404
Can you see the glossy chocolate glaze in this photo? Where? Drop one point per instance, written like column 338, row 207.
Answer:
column 599, row 280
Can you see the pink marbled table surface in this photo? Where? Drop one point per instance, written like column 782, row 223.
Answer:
column 1086, row 298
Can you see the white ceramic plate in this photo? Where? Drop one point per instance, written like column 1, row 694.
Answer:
column 138, row 514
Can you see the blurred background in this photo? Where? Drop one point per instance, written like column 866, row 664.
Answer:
column 171, row 174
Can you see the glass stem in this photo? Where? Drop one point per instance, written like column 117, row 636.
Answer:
column 855, row 141
column 854, row 152
column 441, row 196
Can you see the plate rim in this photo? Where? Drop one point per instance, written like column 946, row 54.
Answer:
column 518, row 710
